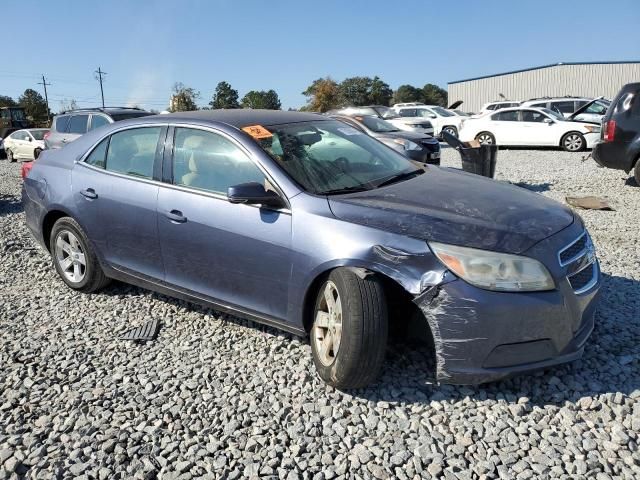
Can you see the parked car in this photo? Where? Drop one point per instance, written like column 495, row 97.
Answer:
column 442, row 119
column 416, row 146
column 24, row 144
column 533, row 127
column 417, row 125
column 228, row 208
column 568, row 106
column 68, row 126
column 619, row 145
column 493, row 106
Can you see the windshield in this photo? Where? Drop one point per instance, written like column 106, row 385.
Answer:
column 329, row 156
column 386, row 112
column 442, row 112
column 598, row 108
column 38, row 134
column 378, row 125
column 553, row 114
column 17, row 114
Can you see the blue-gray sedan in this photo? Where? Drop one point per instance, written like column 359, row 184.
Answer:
column 303, row 222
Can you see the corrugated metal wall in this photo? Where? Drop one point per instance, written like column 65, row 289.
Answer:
column 589, row 80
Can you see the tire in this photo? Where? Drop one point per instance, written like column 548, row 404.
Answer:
column 85, row 277
column 636, row 172
column 452, row 130
column 360, row 321
column 36, row 153
column 486, row 138
column 573, row 142
column 10, row 156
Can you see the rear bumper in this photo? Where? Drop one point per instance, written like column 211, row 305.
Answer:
column 613, row 155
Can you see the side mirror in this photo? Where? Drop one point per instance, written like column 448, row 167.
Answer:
column 548, row 121
column 433, row 115
column 253, row 193
column 29, row 139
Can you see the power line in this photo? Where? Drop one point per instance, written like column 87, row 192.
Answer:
column 100, row 73
column 46, row 97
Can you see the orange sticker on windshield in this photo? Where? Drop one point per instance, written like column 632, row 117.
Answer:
column 257, row 131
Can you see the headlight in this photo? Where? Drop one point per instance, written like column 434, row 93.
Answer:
column 591, row 129
column 494, row 271
column 407, row 144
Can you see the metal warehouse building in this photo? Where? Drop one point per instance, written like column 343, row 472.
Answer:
column 558, row 80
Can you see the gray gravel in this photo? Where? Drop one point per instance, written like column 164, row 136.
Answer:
column 220, row 397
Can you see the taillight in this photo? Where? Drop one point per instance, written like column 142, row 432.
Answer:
column 46, row 135
column 609, row 130
column 25, row 169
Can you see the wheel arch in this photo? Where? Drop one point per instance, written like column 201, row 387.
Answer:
column 49, row 220
column 562, row 137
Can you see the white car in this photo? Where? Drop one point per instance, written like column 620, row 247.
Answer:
column 416, row 125
column 442, row 119
column 25, row 144
column 493, row 106
column 575, row 108
column 535, row 127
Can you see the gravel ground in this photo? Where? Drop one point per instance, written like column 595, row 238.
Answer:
column 219, row 397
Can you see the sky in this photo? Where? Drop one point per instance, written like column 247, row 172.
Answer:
column 145, row 46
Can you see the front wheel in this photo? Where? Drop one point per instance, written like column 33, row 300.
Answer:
column 36, row 153
column 486, row 138
column 573, row 142
column 451, row 130
column 636, row 172
column 350, row 329
column 73, row 257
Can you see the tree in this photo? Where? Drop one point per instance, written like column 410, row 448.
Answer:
column 34, row 106
column 324, row 95
column 434, row 95
column 260, row 99
column 355, row 91
column 6, row 101
column 183, row 98
column 380, row 93
column 407, row 93
column 224, row 97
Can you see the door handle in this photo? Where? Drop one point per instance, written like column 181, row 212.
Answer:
column 176, row 216
column 89, row 193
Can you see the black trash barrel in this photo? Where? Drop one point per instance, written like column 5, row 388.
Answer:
column 480, row 159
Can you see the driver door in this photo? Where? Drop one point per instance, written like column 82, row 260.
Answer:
column 234, row 254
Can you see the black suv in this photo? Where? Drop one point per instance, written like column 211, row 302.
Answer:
column 69, row 125
column 619, row 145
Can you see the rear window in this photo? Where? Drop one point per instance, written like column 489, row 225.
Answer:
column 61, row 123
column 564, row 107
column 78, row 124
column 510, row 116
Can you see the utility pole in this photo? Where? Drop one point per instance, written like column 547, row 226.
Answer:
column 99, row 73
column 46, row 98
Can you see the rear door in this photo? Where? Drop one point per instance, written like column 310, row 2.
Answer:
column 506, row 127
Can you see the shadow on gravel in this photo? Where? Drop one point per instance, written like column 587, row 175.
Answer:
column 535, row 187
column 10, row 204
column 610, row 364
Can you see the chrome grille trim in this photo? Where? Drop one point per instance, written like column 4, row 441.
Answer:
column 591, row 283
column 576, row 256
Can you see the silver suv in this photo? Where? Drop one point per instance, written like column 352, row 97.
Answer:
column 69, row 125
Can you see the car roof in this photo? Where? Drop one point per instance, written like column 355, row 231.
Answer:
column 106, row 110
column 244, row 117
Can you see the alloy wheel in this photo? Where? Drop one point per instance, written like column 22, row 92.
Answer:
column 70, row 256
column 573, row 142
column 328, row 325
column 485, row 139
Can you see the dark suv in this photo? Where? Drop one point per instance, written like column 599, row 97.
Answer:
column 69, row 125
column 619, row 145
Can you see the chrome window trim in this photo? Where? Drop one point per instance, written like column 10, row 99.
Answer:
column 577, row 255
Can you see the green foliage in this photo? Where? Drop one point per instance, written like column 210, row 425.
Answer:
column 261, row 99
column 6, row 101
column 34, row 106
column 224, row 97
column 407, row 93
column 434, row 95
column 380, row 93
column 355, row 91
column 324, row 95
column 183, row 98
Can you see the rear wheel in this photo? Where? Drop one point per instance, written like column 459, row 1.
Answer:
column 350, row 329
column 486, row 138
column 636, row 172
column 573, row 142
column 36, row 153
column 451, row 130
column 73, row 257
column 10, row 156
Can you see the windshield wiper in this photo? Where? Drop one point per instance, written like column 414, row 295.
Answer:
column 337, row 191
column 399, row 177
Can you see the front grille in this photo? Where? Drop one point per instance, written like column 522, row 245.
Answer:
column 574, row 250
column 581, row 279
column 431, row 146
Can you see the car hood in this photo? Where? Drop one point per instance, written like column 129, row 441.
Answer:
column 449, row 206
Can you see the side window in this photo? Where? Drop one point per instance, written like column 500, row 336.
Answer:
column 423, row 112
column 62, row 123
column 98, row 121
column 564, row 107
column 78, row 124
column 539, row 105
column 510, row 116
column 133, row 151
column 25, row 136
column 532, row 116
column 98, row 157
column 492, row 107
column 209, row 161
column 407, row 112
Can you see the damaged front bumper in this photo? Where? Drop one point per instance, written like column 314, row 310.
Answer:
column 482, row 336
